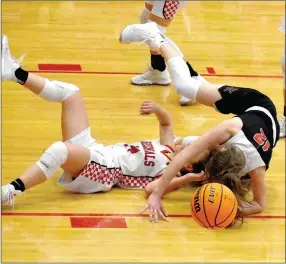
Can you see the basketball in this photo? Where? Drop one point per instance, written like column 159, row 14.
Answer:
column 214, row 206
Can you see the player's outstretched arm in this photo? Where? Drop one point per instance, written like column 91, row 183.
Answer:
column 164, row 118
column 176, row 182
column 218, row 135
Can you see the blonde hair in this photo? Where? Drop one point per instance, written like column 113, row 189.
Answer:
column 223, row 167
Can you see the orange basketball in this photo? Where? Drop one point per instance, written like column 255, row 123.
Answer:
column 214, row 206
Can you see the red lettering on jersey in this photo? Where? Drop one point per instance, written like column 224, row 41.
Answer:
column 149, row 153
column 262, row 140
column 149, row 163
column 132, row 149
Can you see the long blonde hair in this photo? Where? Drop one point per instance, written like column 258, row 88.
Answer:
column 223, row 167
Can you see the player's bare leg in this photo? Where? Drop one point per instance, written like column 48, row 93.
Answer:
column 72, row 158
column 189, row 87
column 157, row 72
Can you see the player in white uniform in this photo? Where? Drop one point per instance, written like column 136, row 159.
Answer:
column 240, row 148
column 88, row 166
column 282, row 122
column 162, row 13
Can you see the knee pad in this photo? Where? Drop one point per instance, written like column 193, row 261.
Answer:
column 52, row 159
column 182, row 81
column 188, row 88
column 144, row 16
column 57, row 91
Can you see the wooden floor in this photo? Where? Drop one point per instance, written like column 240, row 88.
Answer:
column 239, row 40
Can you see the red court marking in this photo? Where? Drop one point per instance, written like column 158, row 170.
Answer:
column 211, row 70
column 135, row 73
column 124, row 215
column 103, row 222
column 59, row 67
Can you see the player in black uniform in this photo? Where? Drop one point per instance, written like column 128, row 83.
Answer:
column 238, row 148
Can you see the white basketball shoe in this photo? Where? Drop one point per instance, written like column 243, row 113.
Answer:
column 151, row 76
column 7, row 194
column 151, row 35
column 148, row 33
column 9, row 64
column 282, row 127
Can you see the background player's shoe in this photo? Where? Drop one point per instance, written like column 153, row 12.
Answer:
column 282, row 127
column 184, row 100
column 152, row 76
column 9, row 65
column 148, row 33
column 7, row 194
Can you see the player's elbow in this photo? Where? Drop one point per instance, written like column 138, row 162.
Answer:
column 260, row 206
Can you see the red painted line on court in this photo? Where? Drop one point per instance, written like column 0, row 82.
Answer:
column 92, row 222
column 211, row 70
column 135, row 73
column 123, row 215
column 59, row 67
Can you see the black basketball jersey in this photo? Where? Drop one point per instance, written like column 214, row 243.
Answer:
column 260, row 131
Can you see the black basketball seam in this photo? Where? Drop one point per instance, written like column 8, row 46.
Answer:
column 228, row 215
column 219, row 204
column 196, row 215
column 204, row 206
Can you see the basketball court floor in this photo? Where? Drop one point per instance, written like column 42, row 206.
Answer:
column 236, row 43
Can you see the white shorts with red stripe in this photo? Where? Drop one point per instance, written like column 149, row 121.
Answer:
column 166, row 9
column 100, row 174
column 94, row 178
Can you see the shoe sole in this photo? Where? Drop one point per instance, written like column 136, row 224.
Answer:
column 120, row 38
column 150, row 84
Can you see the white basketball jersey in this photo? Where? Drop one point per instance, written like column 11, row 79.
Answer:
column 252, row 157
column 142, row 159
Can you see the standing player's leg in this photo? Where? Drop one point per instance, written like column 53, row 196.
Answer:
column 184, row 84
column 283, row 120
column 72, row 158
column 162, row 13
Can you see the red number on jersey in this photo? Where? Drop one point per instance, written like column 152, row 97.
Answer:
column 132, row 148
column 261, row 139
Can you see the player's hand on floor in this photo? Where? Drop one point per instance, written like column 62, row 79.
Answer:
column 148, row 107
column 194, row 177
column 155, row 207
